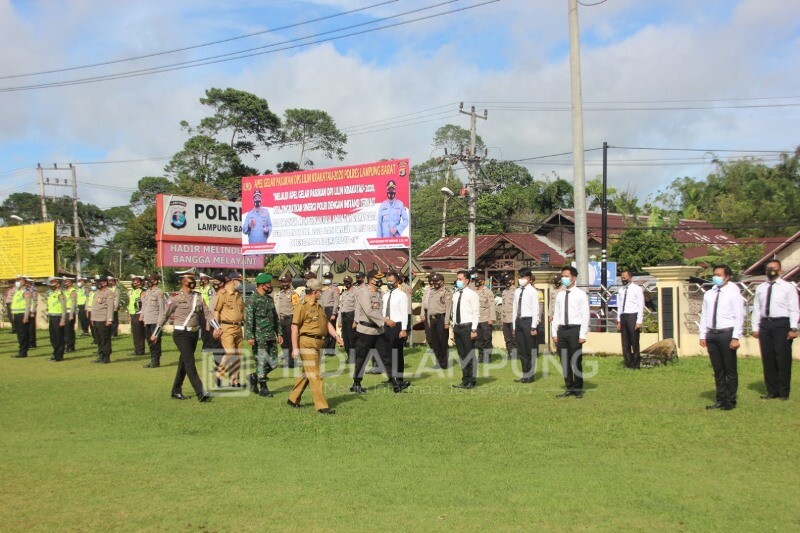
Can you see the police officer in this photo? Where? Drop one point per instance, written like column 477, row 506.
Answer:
column 257, row 224
column 347, row 312
column 7, row 298
column 34, row 310
column 392, row 214
column 71, row 295
column 488, row 312
column 21, row 314
column 262, row 333
column 309, row 327
column 507, row 313
column 284, row 303
column 329, row 300
column 229, row 312
column 465, row 317
column 206, row 290
column 119, row 303
column 89, row 303
column 185, row 307
column 371, row 320
column 135, row 312
column 154, row 304
column 435, row 314
column 103, row 305
column 525, row 310
column 84, row 289
column 56, row 318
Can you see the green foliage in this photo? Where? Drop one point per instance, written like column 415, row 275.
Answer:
column 313, row 131
column 638, row 248
column 277, row 263
column 739, row 257
column 455, row 140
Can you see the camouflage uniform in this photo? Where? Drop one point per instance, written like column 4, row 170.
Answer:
column 261, row 324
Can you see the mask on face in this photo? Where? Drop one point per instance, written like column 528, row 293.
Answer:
column 268, row 288
column 80, row 284
column 94, row 287
column 326, row 282
column 718, row 280
column 378, row 283
column 625, row 281
column 460, row 284
column 565, row 281
column 522, row 282
column 390, row 195
column 391, row 285
column 17, row 284
column 191, row 285
column 772, row 275
column 348, row 285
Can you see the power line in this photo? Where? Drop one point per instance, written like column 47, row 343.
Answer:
column 592, row 5
column 192, row 47
column 613, row 102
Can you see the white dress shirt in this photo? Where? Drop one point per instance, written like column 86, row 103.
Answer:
column 470, row 307
column 630, row 299
column 398, row 311
column 530, row 305
column 782, row 303
column 578, row 311
column 730, row 310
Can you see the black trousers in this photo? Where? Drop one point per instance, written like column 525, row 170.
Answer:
column 484, row 341
column 630, row 340
column 138, row 332
column 396, row 346
column 10, row 315
column 571, row 353
column 23, row 334
column 347, row 334
column 330, row 342
column 286, row 347
column 438, row 338
column 103, row 333
column 508, row 338
column 32, row 330
column 155, row 347
column 57, row 337
column 368, row 346
column 115, row 324
column 466, row 353
column 527, row 350
column 186, row 342
column 69, row 334
column 723, row 361
column 83, row 320
column 776, row 355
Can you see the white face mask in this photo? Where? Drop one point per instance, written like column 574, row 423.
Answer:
column 80, row 284
column 17, row 284
column 522, row 282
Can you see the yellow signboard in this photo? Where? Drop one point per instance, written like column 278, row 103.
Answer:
column 28, row 250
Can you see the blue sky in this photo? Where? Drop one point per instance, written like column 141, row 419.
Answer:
column 509, row 56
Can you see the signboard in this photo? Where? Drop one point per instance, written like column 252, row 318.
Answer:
column 28, row 250
column 186, row 219
column 595, row 273
column 358, row 207
column 206, row 256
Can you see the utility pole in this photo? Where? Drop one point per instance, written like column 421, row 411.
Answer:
column 41, row 190
column 58, row 182
column 75, row 230
column 578, row 170
column 604, row 239
column 472, row 162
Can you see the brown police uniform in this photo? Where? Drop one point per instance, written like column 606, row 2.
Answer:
column 102, row 317
column 487, row 313
column 507, row 317
column 312, row 324
column 435, row 313
column 229, row 309
column 153, row 305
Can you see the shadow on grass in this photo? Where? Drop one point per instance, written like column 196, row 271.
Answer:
column 757, row 386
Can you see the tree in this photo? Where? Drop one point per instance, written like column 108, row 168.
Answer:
column 639, row 247
column 313, row 131
column 148, row 188
column 739, row 257
column 432, row 171
column 287, row 166
column 594, row 194
column 498, row 175
column 455, row 139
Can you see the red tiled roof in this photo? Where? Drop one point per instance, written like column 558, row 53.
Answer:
column 393, row 259
column 457, row 247
column 770, row 251
column 450, row 253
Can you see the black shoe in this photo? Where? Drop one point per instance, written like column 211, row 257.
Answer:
column 768, row 397
column 464, row 386
column 717, row 405
column 578, row 394
column 727, row 407
column 252, row 381
column 178, row 396
column 566, row 394
column 265, row 393
column 524, row 380
column 358, row 389
column 784, row 398
column 327, row 411
column 56, row 359
column 19, row 356
column 52, row 358
column 105, row 361
column 293, row 405
column 98, row 360
column 400, row 386
column 152, row 365
column 205, row 397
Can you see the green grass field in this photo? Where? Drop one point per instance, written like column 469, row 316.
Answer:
column 103, row 447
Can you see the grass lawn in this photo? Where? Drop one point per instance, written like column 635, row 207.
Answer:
column 101, row 447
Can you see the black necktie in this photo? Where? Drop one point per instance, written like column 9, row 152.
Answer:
column 716, row 304
column 519, row 303
column 624, row 299
column 769, row 297
column 458, row 308
column 389, row 304
column 566, row 307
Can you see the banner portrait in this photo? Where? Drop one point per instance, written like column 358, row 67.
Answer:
column 357, row 207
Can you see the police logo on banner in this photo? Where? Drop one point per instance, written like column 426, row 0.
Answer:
column 177, row 210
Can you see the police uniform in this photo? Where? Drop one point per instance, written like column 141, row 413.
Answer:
column 312, row 327
column 7, row 301
column 206, row 291
column 135, row 312
column 71, row 295
column 80, row 300
column 21, row 315
column 486, row 317
column 435, row 314
column 261, row 223
column 329, row 300
column 34, row 311
column 102, row 317
column 153, row 307
column 117, row 305
column 392, row 214
column 56, row 319
column 284, row 305
column 89, row 303
column 262, row 327
column 347, row 312
column 507, row 316
column 229, row 312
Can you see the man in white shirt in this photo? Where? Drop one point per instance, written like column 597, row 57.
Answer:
column 570, row 327
column 720, row 328
column 630, row 302
column 466, row 315
column 774, row 320
column 395, row 309
column 525, row 316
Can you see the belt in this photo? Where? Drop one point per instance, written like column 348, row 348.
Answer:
column 55, row 314
column 348, row 313
column 318, row 337
column 436, row 315
column 625, row 314
column 368, row 324
column 281, row 317
column 721, row 330
column 184, row 328
column 467, row 325
column 231, row 323
column 774, row 318
column 569, row 326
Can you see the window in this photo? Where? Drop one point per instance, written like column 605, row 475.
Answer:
column 544, row 259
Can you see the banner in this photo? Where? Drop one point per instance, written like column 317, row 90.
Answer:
column 206, row 256
column 182, row 218
column 28, row 250
column 358, row 207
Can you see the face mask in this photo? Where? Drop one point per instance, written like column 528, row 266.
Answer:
column 17, row 284
column 566, row 282
column 348, row 285
column 378, row 283
column 94, row 287
column 460, row 284
column 772, row 274
column 80, row 284
column 326, row 282
column 522, row 282
column 625, row 281
column 391, row 285
column 191, row 285
column 718, row 281
column 268, row 289
column 390, row 195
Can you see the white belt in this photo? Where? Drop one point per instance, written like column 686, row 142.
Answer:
column 184, row 328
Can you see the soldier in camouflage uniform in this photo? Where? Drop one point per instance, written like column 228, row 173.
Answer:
column 262, row 333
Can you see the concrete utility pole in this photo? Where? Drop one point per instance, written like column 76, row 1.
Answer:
column 578, row 171
column 57, row 182
column 41, row 190
column 472, row 162
column 75, row 230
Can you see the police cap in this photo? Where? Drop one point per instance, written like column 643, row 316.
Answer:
column 377, row 274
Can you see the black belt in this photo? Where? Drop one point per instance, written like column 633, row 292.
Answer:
column 569, row 326
column 773, row 318
column 348, row 313
column 467, row 325
column 368, row 324
column 623, row 314
column 231, row 323
column 437, row 315
column 722, row 330
column 318, row 337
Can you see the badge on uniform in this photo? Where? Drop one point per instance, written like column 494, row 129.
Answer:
column 376, row 305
